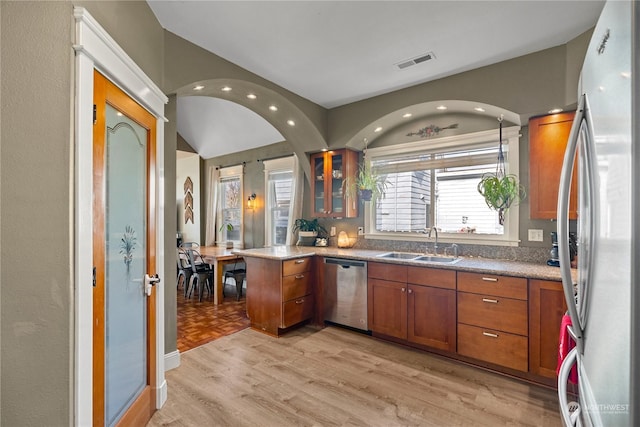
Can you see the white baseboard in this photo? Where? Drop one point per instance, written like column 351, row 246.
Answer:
column 171, row 360
column 161, row 395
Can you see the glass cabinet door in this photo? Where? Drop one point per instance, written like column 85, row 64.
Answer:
column 318, row 166
column 337, row 178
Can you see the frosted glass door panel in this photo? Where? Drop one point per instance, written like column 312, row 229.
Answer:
column 125, row 229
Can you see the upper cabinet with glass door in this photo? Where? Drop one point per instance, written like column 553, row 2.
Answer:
column 328, row 192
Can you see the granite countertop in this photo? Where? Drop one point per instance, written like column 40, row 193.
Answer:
column 471, row 264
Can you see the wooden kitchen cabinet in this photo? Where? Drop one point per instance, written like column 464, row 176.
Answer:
column 493, row 319
column 415, row 304
column 387, row 299
column 548, row 137
column 546, row 308
column 328, row 193
column 280, row 294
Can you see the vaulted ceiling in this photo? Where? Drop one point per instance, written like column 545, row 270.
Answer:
column 338, row 52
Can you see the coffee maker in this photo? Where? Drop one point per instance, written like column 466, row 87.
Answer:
column 554, row 261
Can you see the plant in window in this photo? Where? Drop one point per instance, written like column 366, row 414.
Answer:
column 368, row 184
column 501, row 191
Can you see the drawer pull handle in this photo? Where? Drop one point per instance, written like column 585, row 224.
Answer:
column 492, row 301
column 489, row 279
column 299, row 276
column 299, row 261
column 489, row 334
column 301, row 301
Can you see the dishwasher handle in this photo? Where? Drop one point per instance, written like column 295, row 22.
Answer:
column 345, row 263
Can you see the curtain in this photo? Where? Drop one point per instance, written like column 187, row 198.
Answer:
column 297, row 185
column 212, row 206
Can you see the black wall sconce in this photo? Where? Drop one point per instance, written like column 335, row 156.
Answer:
column 251, row 201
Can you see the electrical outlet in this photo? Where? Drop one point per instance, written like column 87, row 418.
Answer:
column 535, row 235
column 360, row 231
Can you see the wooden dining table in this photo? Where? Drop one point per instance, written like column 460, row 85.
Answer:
column 218, row 257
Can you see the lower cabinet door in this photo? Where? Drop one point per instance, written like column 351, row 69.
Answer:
column 387, row 307
column 493, row 346
column 297, row 310
column 432, row 317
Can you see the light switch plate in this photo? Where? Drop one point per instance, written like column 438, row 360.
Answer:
column 535, row 235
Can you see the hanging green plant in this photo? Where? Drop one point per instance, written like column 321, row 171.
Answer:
column 501, row 191
column 367, row 183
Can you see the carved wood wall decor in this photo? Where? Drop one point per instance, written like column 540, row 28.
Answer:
column 188, row 201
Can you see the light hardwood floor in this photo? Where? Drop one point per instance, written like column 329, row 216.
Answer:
column 338, row 377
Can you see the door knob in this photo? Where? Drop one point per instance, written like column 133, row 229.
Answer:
column 150, row 282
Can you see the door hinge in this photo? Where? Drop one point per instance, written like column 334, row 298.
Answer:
column 95, row 114
column 94, row 277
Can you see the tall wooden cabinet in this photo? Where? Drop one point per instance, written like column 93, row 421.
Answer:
column 548, row 137
column 546, row 308
column 328, row 193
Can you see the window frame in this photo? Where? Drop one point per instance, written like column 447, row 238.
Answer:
column 510, row 141
column 230, row 172
column 279, row 165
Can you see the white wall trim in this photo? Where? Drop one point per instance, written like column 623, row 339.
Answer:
column 171, row 360
column 95, row 49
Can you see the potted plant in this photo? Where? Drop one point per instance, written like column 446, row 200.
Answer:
column 308, row 230
column 367, row 184
column 228, row 227
column 500, row 192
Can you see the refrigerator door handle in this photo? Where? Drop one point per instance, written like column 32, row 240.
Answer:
column 564, row 190
column 569, row 418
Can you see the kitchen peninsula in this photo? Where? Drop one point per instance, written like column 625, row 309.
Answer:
column 496, row 314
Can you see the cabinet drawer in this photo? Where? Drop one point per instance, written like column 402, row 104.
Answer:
column 493, row 346
column 435, row 277
column 296, row 310
column 491, row 284
column 392, row 272
column 296, row 286
column 295, row 266
column 503, row 314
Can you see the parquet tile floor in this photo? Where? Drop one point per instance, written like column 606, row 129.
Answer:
column 203, row 322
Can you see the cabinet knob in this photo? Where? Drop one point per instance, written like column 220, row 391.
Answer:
column 410, row 291
column 403, row 289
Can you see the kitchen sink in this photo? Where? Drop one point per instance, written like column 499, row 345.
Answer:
column 434, row 258
column 399, row 255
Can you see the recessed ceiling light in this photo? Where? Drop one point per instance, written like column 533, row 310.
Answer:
column 378, row 129
column 291, row 122
column 226, row 89
column 441, row 107
column 479, row 109
column 273, row 108
column 325, row 149
column 407, row 115
column 251, row 96
column 555, row 111
column 198, row 87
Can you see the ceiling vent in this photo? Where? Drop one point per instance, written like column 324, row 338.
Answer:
column 415, row 61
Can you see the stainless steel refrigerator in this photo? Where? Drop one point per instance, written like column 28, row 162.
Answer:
column 602, row 304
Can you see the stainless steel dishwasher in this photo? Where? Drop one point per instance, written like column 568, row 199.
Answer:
column 345, row 292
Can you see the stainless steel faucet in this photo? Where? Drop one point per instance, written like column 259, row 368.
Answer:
column 435, row 246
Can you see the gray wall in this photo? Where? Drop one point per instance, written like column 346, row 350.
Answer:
column 36, row 195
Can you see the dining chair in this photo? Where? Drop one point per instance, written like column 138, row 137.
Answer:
column 238, row 272
column 184, row 270
column 201, row 274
